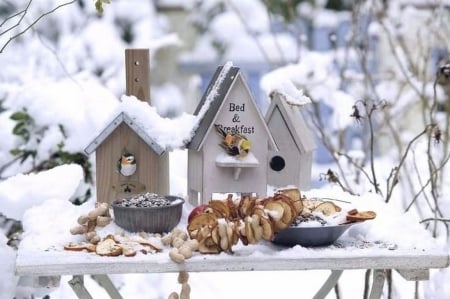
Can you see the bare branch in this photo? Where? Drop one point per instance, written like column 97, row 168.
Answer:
column 434, row 219
column 393, row 177
column 22, row 12
column 356, row 165
column 424, row 185
column 32, row 23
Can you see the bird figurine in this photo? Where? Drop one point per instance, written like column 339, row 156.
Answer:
column 234, row 144
column 127, row 164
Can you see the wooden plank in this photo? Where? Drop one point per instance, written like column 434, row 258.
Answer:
column 106, row 283
column 379, row 276
column 414, row 274
column 49, row 263
column 137, row 72
column 329, row 284
column 77, row 285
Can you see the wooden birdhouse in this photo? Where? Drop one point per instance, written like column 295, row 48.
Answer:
column 292, row 163
column 128, row 160
column 218, row 162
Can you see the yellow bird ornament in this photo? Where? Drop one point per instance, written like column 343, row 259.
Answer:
column 234, row 144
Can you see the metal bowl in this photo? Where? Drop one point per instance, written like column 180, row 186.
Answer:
column 310, row 236
column 149, row 219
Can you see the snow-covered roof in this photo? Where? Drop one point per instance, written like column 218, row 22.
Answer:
column 123, row 117
column 295, row 122
column 212, row 102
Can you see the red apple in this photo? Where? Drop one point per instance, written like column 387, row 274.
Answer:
column 195, row 211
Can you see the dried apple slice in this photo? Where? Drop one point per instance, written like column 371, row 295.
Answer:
column 280, row 225
column 361, row 216
column 267, row 227
column 208, row 246
column 327, row 208
column 233, row 235
column 80, row 247
column 246, row 206
column 215, row 234
column 310, row 204
column 108, row 247
column 256, row 227
column 289, row 214
column 295, row 195
column 259, row 210
column 127, row 250
column 234, row 213
column 221, row 208
column 274, row 209
column 200, row 220
column 249, row 231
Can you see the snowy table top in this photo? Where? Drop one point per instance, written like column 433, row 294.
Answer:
column 393, row 240
column 261, row 257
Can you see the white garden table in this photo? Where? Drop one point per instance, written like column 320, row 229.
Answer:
column 46, row 266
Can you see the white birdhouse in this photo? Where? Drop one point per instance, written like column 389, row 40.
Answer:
column 228, row 153
column 292, row 163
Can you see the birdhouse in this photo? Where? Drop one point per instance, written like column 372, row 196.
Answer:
column 128, row 160
column 292, row 163
column 228, row 152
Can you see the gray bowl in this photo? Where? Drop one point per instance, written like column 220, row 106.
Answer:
column 149, row 219
column 310, row 236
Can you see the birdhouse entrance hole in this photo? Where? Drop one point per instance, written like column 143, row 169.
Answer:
column 277, row 163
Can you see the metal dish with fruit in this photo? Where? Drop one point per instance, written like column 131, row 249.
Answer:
column 321, row 223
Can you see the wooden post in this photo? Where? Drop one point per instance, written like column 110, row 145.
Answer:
column 155, row 168
column 137, row 72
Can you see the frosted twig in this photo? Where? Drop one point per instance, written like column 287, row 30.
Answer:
column 32, row 23
column 393, row 177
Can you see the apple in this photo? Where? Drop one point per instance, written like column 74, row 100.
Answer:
column 195, row 211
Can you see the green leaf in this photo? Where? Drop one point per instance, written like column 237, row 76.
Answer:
column 15, row 152
column 99, row 5
column 20, row 116
column 21, row 130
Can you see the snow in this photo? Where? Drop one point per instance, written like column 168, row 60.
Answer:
column 57, row 183
column 214, row 91
column 72, row 103
column 56, row 84
column 169, row 133
column 50, row 216
column 249, row 159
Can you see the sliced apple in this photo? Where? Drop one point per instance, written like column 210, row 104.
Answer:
column 361, row 216
column 327, row 208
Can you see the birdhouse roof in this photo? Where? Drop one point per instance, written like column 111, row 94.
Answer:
column 294, row 121
column 213, row 99
column 123, row 118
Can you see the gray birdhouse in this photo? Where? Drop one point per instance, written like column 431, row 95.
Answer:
column 292, row 163
column 128, row 160
column 216, row 164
